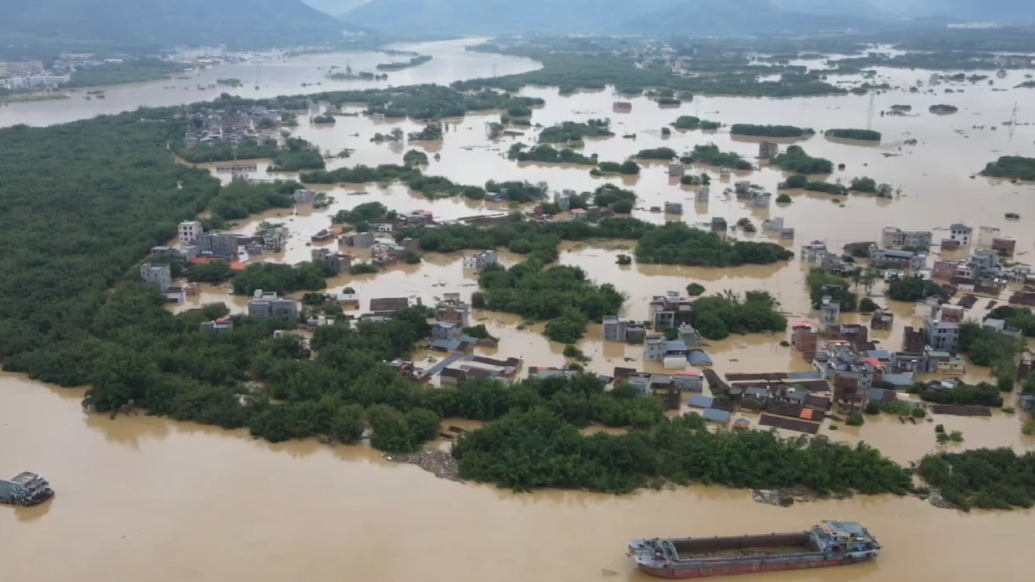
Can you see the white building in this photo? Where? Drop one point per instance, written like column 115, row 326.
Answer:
column 189, row 231
column 961, row 233
column 987, row 234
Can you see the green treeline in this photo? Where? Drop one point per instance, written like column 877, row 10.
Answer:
column 246, row 150
column 571, row 71
column 420, row 102
column 536, row 293
column 687, row 122
column 129, row 71
column 297, row 154
column 859, row 134
column 912, row 289
column 549, row 155
column 1013, row 167
column 413, row 62
column 671, row 244
column 718, row 316
column 112, row 190
column 794, row 159
column 711, row 154
column 626, row 168
column 985, row 478
column 802, row 182
column 282, row 279
column 572, row 132
column 750, row 130
column 538, row 448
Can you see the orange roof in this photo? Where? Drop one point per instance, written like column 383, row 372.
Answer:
column 872, row 361
column 806, row 324
column 578, row 211
column 238, row 267
column 807, row 414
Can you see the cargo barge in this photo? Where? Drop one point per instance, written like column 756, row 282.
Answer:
column 832, row 543
column 25, row 489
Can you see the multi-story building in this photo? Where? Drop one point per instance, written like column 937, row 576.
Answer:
column 669, row 311
column 304, row 196
column 986, row 234
column 690, row 336
column 675, row 170
column 189, row 230
column 768, row 150
column 1004, row 246
column 984, row 261
column 913, row 340
column 157, row 274
column 275, row 238
column 944, row 270
column 614, row 328
column 719, row 225
column 563, row 199
column 482, row 260
column 805, row 337
column 891, row 236
column 220, row 245
column 340, row 262
column 898, row 259
column 446, row 331
column 960, row 233
column 673, row 208
column 830, row 311
column 360, row 240
column 270, row 306
column 702, row 194
column 941, row 335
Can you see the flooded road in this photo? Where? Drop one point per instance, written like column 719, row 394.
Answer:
column 146, row 499
column 142, row 498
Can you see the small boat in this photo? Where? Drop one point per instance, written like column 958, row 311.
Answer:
column 832, row 543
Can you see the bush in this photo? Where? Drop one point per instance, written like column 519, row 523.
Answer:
column 867, row 305
column 872, row 408
column 695, row 289
column 918, row 412
column 939, row 428
column 1009, row 409
column 942, row 438
column 856, row 420
column 956, row 436
column 1028, row 428
column 783, row 199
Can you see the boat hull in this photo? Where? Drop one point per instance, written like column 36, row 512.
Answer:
column 676, row 572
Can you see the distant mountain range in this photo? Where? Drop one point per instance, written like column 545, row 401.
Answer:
column 661, row 16
column 170, row 22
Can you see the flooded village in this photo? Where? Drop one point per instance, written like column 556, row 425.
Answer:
column 943, row 247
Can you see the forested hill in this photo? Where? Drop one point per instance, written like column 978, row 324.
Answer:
column 167, row 23
column 647, row 16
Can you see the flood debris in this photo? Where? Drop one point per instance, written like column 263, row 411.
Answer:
column 439, row 463
column 790, row 496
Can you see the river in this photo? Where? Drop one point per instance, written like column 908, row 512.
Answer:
column 145, row 498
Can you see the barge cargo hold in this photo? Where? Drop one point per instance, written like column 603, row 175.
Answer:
column 25, row 489
column 832, row 543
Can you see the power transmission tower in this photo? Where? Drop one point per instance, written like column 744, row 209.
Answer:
column 1013, row 120
column 869, row 113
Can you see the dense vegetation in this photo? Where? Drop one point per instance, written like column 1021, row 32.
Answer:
column 711, row 154
column 297, row 154
column 420, row 102
column 129, row 71
column 562, row 294
column 661, row 153
column 794, row 159
column 1013, row 167
column 802, row 182
column 549, row 155
column 718, row 316
column 1016, row 317
column 246, row 150
column 750, row 130
column 282, row 279
column 985, row 478
column 943, row 109
column 677, row 244
column 430, row 186
column 627, row 168
column 571, row 132
column 818, row 281
column 573, row 71
column 982, row 394
column 399, row 66
column 538, row 448
column 912, row 289
column 858, row 134
column 687, row 122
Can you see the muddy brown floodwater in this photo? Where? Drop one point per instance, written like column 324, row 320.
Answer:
column 143, row 498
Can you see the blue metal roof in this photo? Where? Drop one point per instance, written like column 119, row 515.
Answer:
column 804, row 375
column 701, row 401
column 716, row 415
column 699, row 358
column 675, row 346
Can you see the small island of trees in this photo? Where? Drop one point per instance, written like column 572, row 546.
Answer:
column 1012, row 167
column 786, row 131
column 794, row 159
column 710, row 154
column 856, row 134
column 943, row 109
column 572, row 132
column 689, row 122
column 548, row 155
